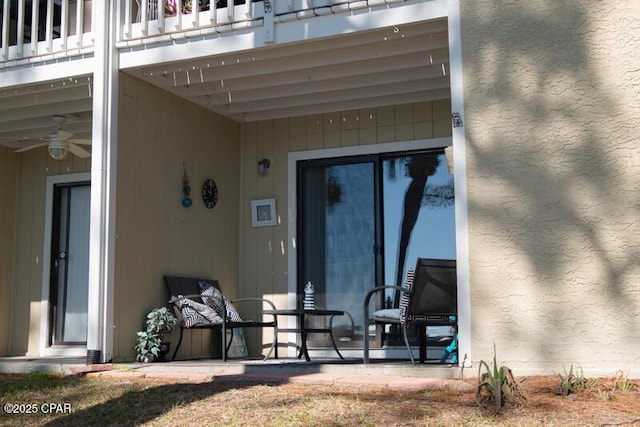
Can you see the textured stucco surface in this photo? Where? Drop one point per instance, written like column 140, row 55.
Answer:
column 552, row 101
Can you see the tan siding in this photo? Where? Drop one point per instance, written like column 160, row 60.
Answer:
column 551, row 106
column 9, row 172
column 35, row 166
column 156, row 235
column 264, row 250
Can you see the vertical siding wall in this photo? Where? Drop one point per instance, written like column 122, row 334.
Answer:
column 31, row 169
column 8, row 183
column 552, row 107
column 263, row 255
column 158, row 132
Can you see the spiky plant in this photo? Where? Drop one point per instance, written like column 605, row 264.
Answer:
column 497, row 386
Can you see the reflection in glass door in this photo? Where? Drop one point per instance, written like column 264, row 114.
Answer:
column 338, row 236
column 418, row 212
column 70, row 264
column 363, row 221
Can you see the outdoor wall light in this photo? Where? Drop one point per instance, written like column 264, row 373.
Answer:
column 456, row 120
column 263, row 166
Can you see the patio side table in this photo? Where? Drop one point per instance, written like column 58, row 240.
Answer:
column 303, row 330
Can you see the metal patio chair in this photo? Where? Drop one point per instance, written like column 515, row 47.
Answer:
column 428, row 297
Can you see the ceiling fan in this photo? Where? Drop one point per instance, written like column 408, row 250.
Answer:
column 61, row 142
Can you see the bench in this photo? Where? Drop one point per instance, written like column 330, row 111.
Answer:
column 189, row 287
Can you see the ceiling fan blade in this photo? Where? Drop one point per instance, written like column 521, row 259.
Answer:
column 80, row 152
column 31, row 147
column 63, row 135
column 80, row 141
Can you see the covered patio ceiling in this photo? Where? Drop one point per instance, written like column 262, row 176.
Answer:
column 395, row 65
column 362, row 69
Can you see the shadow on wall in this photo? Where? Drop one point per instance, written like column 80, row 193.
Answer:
column 553, row 200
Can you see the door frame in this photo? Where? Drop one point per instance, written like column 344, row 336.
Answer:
column 464, row 305
column 45, row 325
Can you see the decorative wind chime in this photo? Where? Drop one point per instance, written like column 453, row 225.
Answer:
column 186, row 188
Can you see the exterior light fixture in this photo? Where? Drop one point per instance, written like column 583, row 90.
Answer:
column 263, row 166
column 456, row 120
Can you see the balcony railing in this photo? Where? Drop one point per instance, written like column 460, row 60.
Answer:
column 159, row 20
column 51, row 29
column 152, row 18
column 45, row 28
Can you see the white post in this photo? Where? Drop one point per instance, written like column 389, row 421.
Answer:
column 79, row 21
column 103, row 181
column 269, row 36
column 460, row 176
column 49, row 27
column 35, row 22
column 64, row 23
column 5, row 31
column 20, row 30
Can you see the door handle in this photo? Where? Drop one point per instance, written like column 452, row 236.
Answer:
column 62, row 255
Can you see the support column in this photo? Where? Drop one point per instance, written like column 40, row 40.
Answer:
column 460, row 177
column 103, row 185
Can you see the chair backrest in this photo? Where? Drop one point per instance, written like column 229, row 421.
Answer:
column 179, row 285
column 435, row 289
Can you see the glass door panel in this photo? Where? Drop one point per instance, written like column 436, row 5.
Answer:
column 418, row 212
column 419, row 219
column 70, row 264
column 363, row 222
column 338, row 240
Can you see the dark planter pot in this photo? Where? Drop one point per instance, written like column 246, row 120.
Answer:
column 164, row 351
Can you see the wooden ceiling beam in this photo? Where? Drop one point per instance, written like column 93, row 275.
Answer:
column 38, row 98
column 340, row 96
column 372, row 80
column 333, row 57
column 325, row 73
column 278, row 113
column 359, row 39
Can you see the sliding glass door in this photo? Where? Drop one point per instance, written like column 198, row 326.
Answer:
column 363, row 221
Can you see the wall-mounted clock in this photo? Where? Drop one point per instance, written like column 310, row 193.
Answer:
column 209, row 193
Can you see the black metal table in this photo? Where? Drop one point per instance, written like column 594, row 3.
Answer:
column 303, row 330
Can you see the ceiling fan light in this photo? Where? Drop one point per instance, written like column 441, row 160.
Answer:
column 58, row 150
column 58, row 153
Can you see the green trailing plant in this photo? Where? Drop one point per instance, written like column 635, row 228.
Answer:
column 160, row 321
column 497, row 386
column 149, row 343
column 571, row 382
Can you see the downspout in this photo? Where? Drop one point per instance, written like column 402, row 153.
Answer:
column 103, row 185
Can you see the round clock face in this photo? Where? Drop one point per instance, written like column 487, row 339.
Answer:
column 209, row 193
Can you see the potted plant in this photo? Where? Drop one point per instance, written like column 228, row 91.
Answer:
column 150, row 345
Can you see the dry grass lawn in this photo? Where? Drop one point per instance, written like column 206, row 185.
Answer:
column 98, row 401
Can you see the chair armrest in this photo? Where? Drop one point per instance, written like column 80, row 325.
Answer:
column 373, row 291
